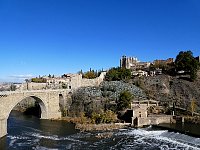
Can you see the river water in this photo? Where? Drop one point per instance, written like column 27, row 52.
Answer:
column 28, row 132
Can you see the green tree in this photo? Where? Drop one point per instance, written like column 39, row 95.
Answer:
column 39, row 80
column 124, row 100
column 185, row 61
column 124, row 73
column 112, row 75
column 116, row 74
column 103, row 117
column 110, row 116
column 90, row 74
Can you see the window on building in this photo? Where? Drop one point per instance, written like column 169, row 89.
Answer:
column 140, row 115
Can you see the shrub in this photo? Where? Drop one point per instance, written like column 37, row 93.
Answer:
column 124, row 100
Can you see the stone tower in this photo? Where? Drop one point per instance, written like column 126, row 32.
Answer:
column 128, row 62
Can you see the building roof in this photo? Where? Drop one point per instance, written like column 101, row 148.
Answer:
column 138, row 107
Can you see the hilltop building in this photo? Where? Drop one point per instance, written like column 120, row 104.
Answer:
column 133, row 63
column 143, row 68
column 139, row 73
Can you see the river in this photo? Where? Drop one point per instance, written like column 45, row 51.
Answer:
column 29, row 132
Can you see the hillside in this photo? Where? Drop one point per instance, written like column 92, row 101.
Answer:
column 164, row 88
column 168, row 89
column 105, row 96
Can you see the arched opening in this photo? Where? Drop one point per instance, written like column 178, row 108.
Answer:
column 32, row 106
column 13, row 118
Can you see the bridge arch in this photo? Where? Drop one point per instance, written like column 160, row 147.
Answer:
column 48, row 101
column 38, row 99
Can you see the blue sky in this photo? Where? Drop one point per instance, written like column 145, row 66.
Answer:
column 38, row 37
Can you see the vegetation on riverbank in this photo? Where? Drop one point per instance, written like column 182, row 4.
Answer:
column 107, row 123
column 103, row 117
column 99, row 127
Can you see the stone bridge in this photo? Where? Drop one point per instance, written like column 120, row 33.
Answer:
column 48, row 100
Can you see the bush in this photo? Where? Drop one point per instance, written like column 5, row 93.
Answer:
column 103, row 117
column 91, row 74
column 124, row 100
column 117, row 74
column 38, row 80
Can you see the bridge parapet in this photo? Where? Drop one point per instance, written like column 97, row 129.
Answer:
column 33, row 91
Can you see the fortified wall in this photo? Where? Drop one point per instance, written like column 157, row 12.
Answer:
column 72, row 81
column 33, row 86
column 93, row 82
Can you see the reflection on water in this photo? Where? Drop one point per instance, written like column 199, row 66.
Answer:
column 27, row 132
column 3, row 144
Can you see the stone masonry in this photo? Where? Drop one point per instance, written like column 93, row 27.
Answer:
column 72, row 81
column 47, row 99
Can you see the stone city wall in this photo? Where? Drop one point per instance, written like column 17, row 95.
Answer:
column 76, row 81
column 93, row 82
column 33, row 86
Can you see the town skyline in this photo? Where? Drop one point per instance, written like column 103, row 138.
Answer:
column 41, row 38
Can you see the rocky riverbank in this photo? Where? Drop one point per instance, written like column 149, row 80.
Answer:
column 100, row 127
column 86, row 125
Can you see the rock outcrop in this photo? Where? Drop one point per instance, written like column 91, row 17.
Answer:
column 168, row 89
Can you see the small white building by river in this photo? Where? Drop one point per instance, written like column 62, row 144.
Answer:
column 141, row 117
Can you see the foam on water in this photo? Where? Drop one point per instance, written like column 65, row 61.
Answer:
column 162, row 139
column 33, row 139
column 146, row 133
column 40, row 136
column 18, row 137
column 14, row 141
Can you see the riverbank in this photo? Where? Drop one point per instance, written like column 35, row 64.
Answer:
column 86, row 125
column 100, row 127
